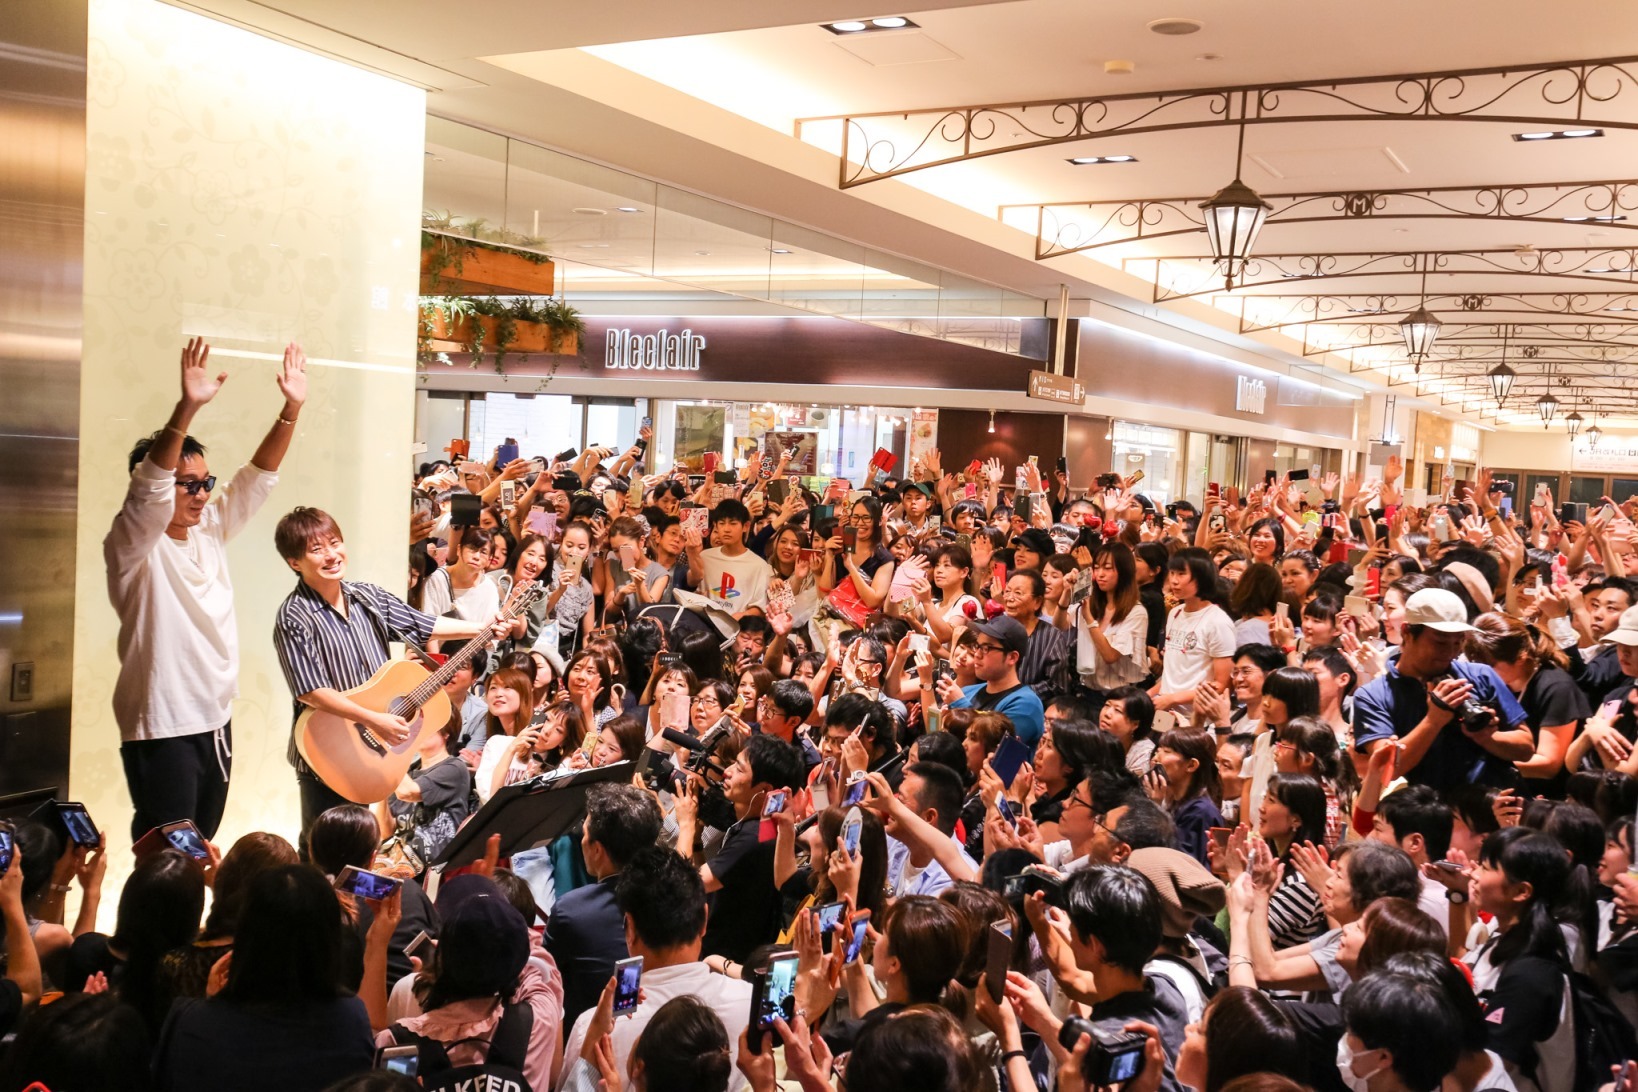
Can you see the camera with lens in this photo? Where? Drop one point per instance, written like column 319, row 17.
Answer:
column 1114, row 1057
column 1108, row 481
column 1473, row 715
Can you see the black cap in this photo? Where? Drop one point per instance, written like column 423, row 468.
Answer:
column 1006, row 630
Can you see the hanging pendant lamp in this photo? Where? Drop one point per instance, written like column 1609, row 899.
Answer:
column 1234, row 216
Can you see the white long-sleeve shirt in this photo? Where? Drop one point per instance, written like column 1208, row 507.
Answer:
column 178, row 639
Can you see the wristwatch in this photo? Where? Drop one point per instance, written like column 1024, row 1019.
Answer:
column 1457, row 897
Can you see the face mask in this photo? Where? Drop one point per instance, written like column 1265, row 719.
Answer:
column 1345, row 1067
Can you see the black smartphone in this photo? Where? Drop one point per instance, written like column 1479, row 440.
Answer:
column 778, row 490
column 1298, row 475
column 366, row 885
column 1570, row 510
column 81, row 830
column 464, row 509
column 8, row 847
column 1268, row 477
column 773, row 996
column 821, row 514
column 628, row 980
column 999, row 959
column 1020, row 506
column 1063, row 465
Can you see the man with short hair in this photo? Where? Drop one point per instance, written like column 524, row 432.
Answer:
column 855, row 713
column 918, row 861
column 782, row 712
column 1114, row 930
column 585, row 933
column 729, row 572
column 663, row 903
column 1419, row 822
column 1595, row 664
column 1335, row 676
column 751, row 642
column 1416, row 702
column 468, row 712
column 745, row 910
column 168, row 581
column 916, row 504
column 331, row 635
column 1001, row 646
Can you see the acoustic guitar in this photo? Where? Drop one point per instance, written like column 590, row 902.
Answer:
column 352, row 759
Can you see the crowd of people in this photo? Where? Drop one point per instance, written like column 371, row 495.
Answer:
column 958, row 780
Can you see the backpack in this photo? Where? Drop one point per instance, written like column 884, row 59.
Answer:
column 1603, row 1038
column 502, row 1067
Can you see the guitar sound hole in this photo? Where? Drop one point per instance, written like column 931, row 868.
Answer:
column 402, row 707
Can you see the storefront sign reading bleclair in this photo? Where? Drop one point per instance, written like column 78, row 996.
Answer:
column 661, row 351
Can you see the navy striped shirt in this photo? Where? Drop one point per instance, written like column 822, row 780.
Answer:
column 319, row 648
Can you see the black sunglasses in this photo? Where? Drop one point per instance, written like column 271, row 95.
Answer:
column 194, row 487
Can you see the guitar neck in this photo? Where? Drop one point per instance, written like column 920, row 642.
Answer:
column 435, row 681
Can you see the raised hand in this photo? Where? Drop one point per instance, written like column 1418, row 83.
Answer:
column 292, row 376
column 198, row 388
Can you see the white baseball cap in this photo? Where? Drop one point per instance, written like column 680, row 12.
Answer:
column 1626, row 632
column 1444, row 611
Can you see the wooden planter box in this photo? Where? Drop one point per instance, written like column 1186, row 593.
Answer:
column 532, row 337
column 473, row 270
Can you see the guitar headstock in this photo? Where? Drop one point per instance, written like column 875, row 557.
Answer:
column 525, row 597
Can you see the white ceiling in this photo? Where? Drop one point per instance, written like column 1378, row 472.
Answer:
column 706, row 96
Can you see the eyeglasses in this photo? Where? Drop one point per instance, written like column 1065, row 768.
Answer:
column 1075, row 798
column 984, row 648
column 1098, row 819
column 706, row 699
column 1242, row 672
column 193, row 488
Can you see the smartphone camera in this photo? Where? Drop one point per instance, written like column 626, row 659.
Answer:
column 1115, row 1057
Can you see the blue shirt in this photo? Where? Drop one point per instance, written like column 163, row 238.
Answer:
column 1021, row 705
column 1394, row 704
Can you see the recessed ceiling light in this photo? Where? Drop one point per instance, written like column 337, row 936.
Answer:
column 1559, row 134
column 860, row 26
column 1175, row 27
column 1089, row 160
column 627, row 208
column 778, row 250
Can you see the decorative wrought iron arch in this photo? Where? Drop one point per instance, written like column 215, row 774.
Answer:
column 1563, row 94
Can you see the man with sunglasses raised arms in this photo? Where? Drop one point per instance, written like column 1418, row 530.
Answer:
column 168, row 580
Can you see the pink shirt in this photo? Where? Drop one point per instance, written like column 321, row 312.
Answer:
column 541, row 990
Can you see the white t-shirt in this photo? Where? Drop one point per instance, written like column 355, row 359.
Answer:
column 1129, row 636
column 479, row 603
column 1193, row 641
column 739, row 582
column 178, row 638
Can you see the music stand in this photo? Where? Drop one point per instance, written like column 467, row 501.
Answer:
column 528, row 813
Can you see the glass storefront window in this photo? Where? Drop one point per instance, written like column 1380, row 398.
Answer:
column 1158, row 452
column 1622, row 488
column 1586, row 488
column 830, row 441
column 1533, row 481
column 542, row 424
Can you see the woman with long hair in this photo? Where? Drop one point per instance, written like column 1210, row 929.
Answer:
column 532, row 557
column 1293, row 812
column 1532, row 665
column 184, row 971
column 590, row 684
column 830, row 873
column 1112, row 625
column 790, row 558
column 1307, row 745
column 159, row 911
column 539, row 748
column 1185, row 782
column 1242, row 1031
column 281, row 1001
column 511, row 699
column 570, row 601
column 1521, row 879
column 868, row 565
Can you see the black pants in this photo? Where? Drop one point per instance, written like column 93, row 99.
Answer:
column 183, row 777
column 316, row 799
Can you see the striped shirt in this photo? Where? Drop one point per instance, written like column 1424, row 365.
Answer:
column 320, row 648
column 1295, row 914
column 1042, row 666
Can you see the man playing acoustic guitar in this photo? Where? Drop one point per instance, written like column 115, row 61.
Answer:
column 332, row 634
